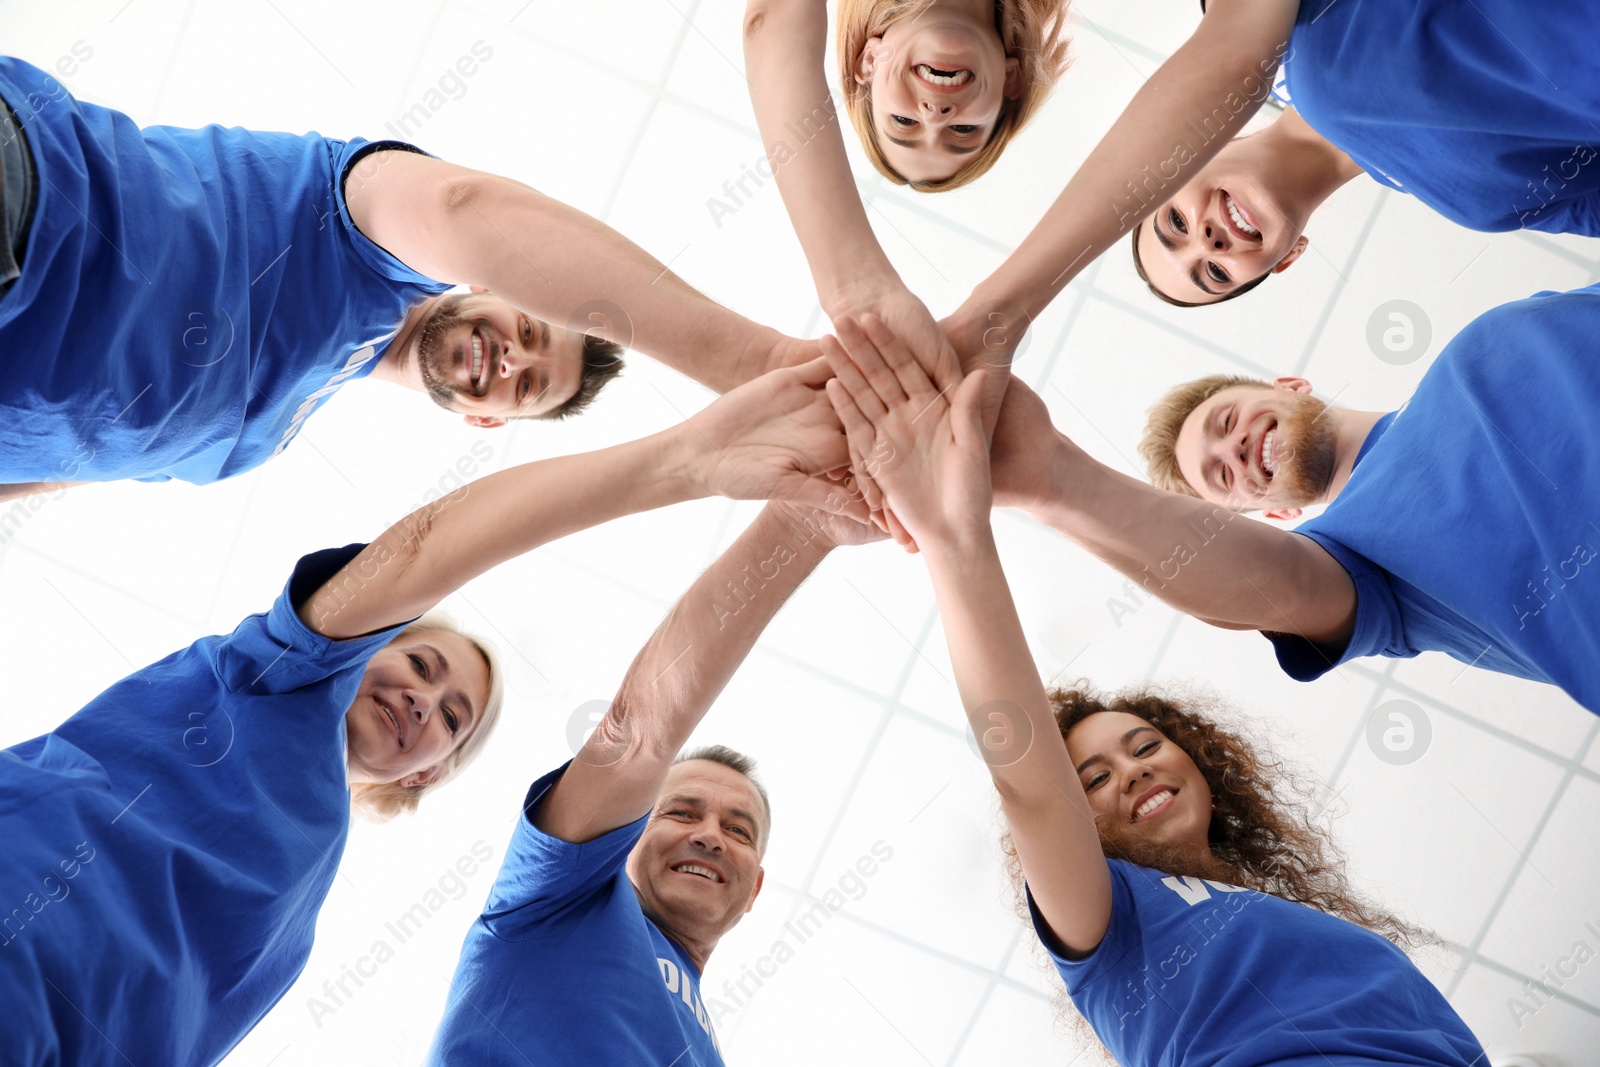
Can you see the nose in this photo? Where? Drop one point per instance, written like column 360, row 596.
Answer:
column 929, row 108
column 1218, row 237
column 421, row 705
column 708, row 835
column 512, row 360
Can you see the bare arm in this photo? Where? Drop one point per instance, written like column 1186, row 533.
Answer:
column 22, row 490
column 680, row 672
column 766, row 439
column 784, row 42
column 1214, row 564
column 936, row 478
column 466, row 227
column 1192, row 106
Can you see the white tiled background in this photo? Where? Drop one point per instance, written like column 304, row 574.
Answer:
column 636, row 111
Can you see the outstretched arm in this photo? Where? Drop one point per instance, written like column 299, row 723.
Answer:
column 1193, row 105
column 767, row 439
column 466, row 227
column 783, row 46
column 1204, row 560
column 937, row 481
column 684, row 666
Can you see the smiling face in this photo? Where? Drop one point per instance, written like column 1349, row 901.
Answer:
column 1224, row 229
column 937, row 84
column 422, row 695
column 481, row 357
column 1250, row 447
column 1139, row 782
column 697, row 867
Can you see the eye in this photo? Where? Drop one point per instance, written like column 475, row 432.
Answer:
column 451, row 721
column 741, row 831
column 1146, row 748
column 964, row 130
column 1095, row 781
column 901, row 120
column 527, row 331
column 419, row 665
column 1216, row 273
column 1175, row 220
column 526, row 387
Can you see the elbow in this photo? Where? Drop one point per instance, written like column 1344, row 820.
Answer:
column 755, row 19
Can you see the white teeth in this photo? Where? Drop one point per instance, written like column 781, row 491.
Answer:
column 397, row 738
column 477, row 357
column 1269, row 456
column 703, row 872
column 960, row 77
column 1238, row 217
column 1153, row 803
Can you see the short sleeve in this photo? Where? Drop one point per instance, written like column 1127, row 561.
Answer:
column 346, row 155
column 1122, row 936
column 1378, row 630
column 1579, row 214
column 274, row 652
column 544, row 877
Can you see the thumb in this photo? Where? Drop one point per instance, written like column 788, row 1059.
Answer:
column 966, row 412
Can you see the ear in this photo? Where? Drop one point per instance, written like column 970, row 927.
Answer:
column 871, row 52
column 426, row 776
column 1013, row 83
column 1293, row 254
column 1283, row 514
column 761, row 876
column 484, row 422
column 1293, row 385
column 479, row 289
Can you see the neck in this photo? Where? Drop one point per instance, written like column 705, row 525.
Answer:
column 1306, row 168
column 398, row 363
column 1352, row 429
column 697, row 949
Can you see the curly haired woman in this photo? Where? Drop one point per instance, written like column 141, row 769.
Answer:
column 1194, row 920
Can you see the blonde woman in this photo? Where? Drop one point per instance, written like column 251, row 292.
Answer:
column 937, row 89
column 168, row 847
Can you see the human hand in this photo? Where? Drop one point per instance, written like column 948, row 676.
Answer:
column 776, row 436
column 825, row 528
column 1022, row 450
column 925, row 443
column 989, row 336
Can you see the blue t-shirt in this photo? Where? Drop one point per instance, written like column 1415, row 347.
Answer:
column 1485, row 111
column 187, row 297
column 1472, row 523
column 168, row 847
column 1211, row 975
column 563, row 966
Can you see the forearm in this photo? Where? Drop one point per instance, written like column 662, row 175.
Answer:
column 677, row 676
column 706, row 636
column 1049, row 817
column 435, row 550
column 1192, row 106
column 1203, row 559
column 784, row 43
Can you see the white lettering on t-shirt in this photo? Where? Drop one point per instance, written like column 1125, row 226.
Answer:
column 1193, row 890
column 678, row 981
column 358, row 359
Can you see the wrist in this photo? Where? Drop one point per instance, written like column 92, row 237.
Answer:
column 864, row 287
column 960, row 546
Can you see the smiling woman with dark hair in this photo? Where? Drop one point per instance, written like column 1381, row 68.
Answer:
column 1162, row 873
column 168, row 847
